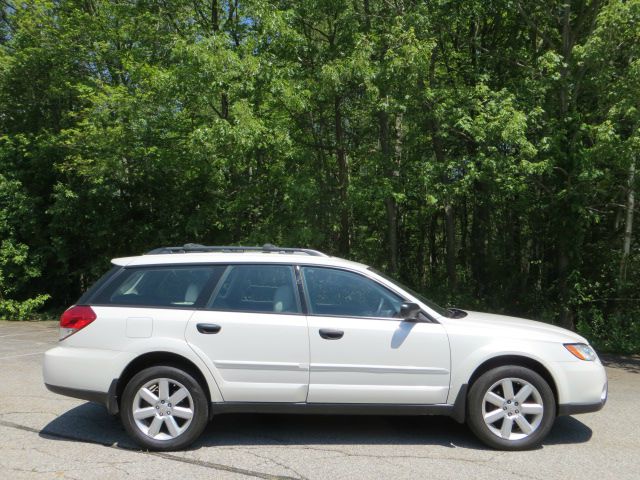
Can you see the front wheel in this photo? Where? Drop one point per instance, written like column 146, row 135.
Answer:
column 164, row 408
column 511, row 408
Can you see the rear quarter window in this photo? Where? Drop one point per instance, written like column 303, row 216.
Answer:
column 103, row 280
column 163, row 286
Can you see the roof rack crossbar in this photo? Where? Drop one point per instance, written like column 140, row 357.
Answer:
column 266, row 248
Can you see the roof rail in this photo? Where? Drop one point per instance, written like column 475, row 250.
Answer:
column 266, row 248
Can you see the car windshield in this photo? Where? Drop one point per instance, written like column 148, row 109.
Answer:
column 432, row 305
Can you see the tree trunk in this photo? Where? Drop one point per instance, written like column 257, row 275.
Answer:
column 478, row 241
column 567, row 246
column 391, row 162
column 450, row 228
column 433, row 255
column 464, row 234
column 392, row 218
column 566, row 314
column 628, row 224
column 392, row 206
column 515, row 245
column 420, row 253
column 215, row 24
column 343, row 181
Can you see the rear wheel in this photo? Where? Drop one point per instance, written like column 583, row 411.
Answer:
column 511, row 408
column 164, row 408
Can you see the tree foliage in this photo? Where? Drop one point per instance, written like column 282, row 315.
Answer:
column 482, row 151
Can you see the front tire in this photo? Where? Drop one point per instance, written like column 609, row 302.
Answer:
column 511, row 408
column 164, row 408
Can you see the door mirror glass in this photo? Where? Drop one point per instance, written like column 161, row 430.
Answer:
column 410, row 311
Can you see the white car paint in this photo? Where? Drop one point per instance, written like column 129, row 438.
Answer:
column 478, row 337
column 92, row 358
column 378, row 361
column 281, row 358
column 257, row 356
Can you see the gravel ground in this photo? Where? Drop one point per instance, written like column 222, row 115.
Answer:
column 43, row 435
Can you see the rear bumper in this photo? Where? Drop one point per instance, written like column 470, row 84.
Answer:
column 88, row 374
column 108, row 399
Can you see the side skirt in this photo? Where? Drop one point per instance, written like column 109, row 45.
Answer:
column 455, row 411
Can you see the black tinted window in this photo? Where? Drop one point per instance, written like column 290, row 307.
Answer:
column 174, row 286
column 338, row 292
column 257, row 288
column 96, row 286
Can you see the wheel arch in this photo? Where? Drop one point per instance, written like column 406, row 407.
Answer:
column 156, row 358
column 515, row 360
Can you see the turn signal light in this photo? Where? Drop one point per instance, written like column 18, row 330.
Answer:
column 582, row 351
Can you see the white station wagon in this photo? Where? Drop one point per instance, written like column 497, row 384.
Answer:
column 173, row 338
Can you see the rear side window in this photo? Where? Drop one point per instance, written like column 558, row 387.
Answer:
column 174, row 286
column 257, row 288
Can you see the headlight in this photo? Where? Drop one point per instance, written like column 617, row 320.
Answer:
column 582, row 351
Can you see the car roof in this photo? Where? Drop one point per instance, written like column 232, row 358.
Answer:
column 191, row 258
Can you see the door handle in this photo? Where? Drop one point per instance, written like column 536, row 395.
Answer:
column 330, row 334
column 208, row 328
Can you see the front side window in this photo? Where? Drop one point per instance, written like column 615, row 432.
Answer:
column 429, row 303
column 257, row 288
column 342, row 293
column 166, row 286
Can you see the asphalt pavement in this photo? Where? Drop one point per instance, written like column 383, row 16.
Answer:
column 44, row 435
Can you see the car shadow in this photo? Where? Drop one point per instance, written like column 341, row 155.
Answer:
column 629, row 363
column 568, row 430
column 90, row 423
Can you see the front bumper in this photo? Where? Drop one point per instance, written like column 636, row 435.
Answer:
column 576, row 408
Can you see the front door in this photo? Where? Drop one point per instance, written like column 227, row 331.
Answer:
column 361, row 353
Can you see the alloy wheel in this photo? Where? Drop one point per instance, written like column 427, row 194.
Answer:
column 512, row 408
column 163, row 409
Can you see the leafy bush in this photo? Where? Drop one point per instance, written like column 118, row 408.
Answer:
column 17, row 266
column 618, row 332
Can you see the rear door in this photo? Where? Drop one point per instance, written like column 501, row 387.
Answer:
column 253, row 333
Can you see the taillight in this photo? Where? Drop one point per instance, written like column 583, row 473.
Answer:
column 74, row 319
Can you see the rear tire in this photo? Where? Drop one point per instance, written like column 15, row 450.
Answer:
column 164, row 408
column 511, row 408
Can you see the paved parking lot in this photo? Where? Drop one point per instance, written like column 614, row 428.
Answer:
column 43, row 435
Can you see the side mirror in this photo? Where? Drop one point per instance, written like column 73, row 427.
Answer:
column 410, row 311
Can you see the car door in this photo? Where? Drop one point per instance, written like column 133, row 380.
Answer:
column 254, row 335
column 361, row 353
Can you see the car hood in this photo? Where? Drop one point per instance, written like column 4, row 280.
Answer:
column 518, row 327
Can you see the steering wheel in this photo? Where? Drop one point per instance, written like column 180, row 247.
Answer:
column 380, row 305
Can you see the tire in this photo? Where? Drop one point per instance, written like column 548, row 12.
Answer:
column 515, row 418
column 172, row 408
